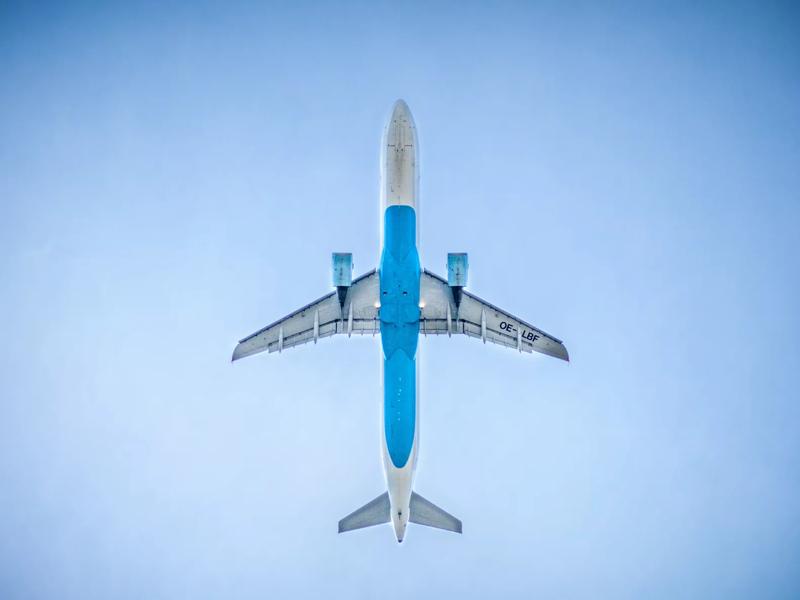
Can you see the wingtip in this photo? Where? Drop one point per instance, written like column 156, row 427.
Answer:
column 238, row 353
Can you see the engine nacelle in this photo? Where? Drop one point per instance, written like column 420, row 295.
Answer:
column 457, row 269
column 342, row 266
column 342, row 269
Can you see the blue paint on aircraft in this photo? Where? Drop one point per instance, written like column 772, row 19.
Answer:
column 399, row 281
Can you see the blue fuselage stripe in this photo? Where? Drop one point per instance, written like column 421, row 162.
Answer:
column 399, row 281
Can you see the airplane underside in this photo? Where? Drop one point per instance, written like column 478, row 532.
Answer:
column 399, row 300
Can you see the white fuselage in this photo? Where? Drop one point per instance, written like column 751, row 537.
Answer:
column 399, row 187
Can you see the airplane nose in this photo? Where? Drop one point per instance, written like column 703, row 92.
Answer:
column 399, row 170
column 401, row 132
column 400, row 110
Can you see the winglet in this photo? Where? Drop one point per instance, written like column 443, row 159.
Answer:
column 559, row 351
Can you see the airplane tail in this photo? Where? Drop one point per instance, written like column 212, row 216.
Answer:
column 423, row 512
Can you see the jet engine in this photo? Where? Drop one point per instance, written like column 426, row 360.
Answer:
column 457, row 269
column 342, row 267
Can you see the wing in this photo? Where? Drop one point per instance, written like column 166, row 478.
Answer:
column 321, row 318
column 477, row 318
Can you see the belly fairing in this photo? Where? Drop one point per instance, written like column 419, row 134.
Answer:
column 399, row 281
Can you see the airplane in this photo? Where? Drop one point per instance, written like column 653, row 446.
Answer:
column 399, row 300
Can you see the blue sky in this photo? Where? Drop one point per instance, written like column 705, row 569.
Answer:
column 173, row 177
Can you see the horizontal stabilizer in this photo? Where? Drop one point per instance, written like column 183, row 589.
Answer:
column 350, row 310
column 375, row 512
column 424, row 512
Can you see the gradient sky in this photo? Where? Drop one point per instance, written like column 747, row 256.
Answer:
column 175, row 176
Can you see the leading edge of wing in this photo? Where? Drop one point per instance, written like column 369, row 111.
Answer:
column 563, row 356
